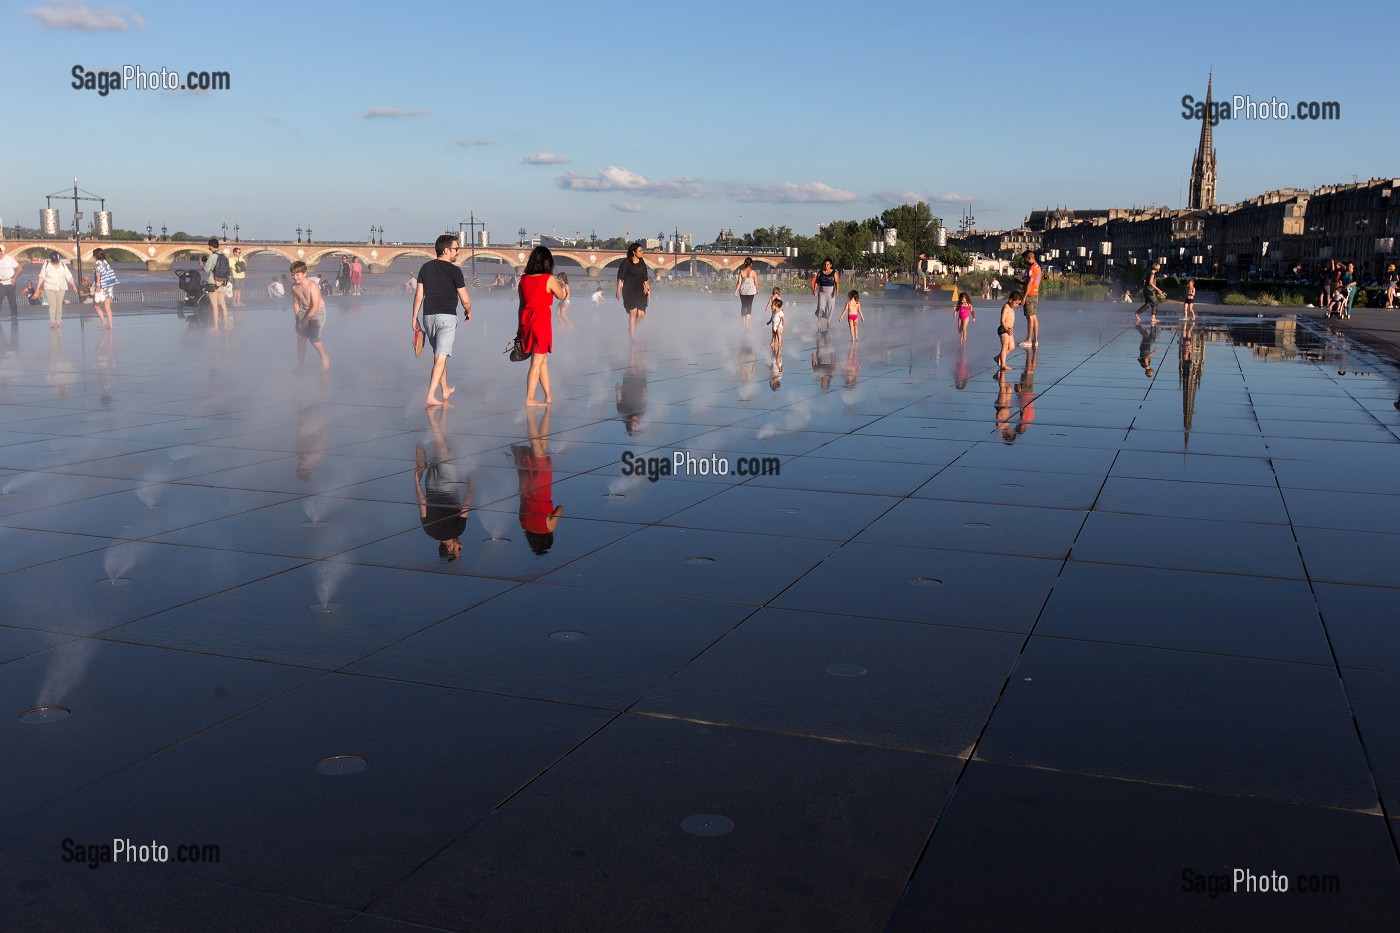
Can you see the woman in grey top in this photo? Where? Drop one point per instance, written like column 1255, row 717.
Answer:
column 824, row 286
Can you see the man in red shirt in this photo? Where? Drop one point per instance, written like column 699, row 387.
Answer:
column 1032, row 290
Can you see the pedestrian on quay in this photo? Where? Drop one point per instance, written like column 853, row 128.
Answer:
column 1031, row 290
column 1188, row 307
column 9, row 278
column 218, row 276
column 237, row 274
column 745, row 288
column 824, row 285
column 1151, row 294
column 54, row 282
column 104, row 280
column 633, row 287
column 538, row 289
column 441, row 287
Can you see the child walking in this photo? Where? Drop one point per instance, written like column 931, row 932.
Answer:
column 965, row 313
column 1188, row 307
column 854, row 315
column 310, row 311
column 775, row 321
column 1005, row 331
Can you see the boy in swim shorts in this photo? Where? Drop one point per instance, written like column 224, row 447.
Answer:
column 1006, row 330
column 310, row 311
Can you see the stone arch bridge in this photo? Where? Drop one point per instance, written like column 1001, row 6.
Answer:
column 158, row 255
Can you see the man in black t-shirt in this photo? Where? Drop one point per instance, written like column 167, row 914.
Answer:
column 441, row 286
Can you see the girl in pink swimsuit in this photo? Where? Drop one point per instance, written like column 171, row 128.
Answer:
column 965, row 313
column 854, row 315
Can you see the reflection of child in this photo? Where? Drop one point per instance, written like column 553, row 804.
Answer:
column 965, row 314
column 776, row 322
column 1005, row 330
column 853, row 314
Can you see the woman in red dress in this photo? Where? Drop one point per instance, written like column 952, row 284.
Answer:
column 538, row 289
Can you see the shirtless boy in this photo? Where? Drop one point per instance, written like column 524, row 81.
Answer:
column 1005, row 330
column 310, row 312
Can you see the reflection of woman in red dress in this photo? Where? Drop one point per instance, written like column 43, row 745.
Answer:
column 538, row 289
column 539, row 516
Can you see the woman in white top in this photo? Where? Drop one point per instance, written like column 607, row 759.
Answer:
column 54, row 281
column 745, row 288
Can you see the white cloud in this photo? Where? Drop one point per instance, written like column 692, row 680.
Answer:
column 894, row 197
column 544, row 158
column 391, row 113
column 83, row 18
column 628, row 207
column 615, row 178
column 476, row 142
column 952, row 198
column 813, row 192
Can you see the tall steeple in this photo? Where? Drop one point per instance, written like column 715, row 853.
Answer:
column 1203, row 165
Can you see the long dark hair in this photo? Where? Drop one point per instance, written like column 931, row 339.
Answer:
column 748, row 261
column 632, row 250
column 541, row 262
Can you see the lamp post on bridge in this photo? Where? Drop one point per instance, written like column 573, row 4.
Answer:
column 223, row 231
column 521, row 235
column 235, row 233
column 298, row 234
column 308, row 234
column 471, row 223
column 163, row 236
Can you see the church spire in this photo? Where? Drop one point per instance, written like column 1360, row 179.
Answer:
column 1203, row 165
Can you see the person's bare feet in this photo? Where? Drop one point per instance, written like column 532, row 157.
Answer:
column 531, row 403
column 433, row 403
column 447, row 392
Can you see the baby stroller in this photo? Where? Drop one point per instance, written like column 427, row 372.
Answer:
column 193, row 297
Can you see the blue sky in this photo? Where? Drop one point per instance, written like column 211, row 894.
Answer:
column 615, row 117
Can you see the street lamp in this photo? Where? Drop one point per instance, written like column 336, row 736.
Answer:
column 381, row 235
column 223, row 229
column 471, row 223
column 308, row 234
column 235, row 233
column 521, row 234
column 163, row 236
column 149, row 233
column 298, row 234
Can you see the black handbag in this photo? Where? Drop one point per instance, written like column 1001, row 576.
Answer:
column 516, row 351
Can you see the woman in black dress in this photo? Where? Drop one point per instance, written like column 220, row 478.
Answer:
column 633, row 289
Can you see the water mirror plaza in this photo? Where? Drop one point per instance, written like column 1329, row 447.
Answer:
column 1060, row 649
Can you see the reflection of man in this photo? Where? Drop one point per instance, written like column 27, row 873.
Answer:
column 1147, row 348
column 9, row 278
column 444, row 502
column 539, row 516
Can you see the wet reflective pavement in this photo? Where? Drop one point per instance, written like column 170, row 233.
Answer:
column 1051, row 650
